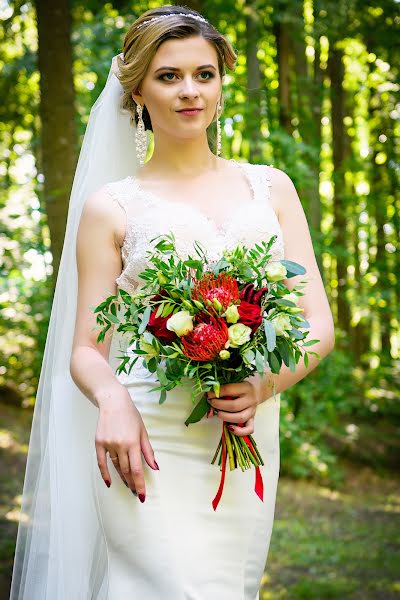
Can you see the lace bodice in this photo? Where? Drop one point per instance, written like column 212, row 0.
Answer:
column 148, row 216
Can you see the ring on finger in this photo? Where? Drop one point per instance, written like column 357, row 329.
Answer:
column 215, row 411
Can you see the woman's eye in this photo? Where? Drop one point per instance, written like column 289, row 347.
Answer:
column 164, row 75
column 209, row 73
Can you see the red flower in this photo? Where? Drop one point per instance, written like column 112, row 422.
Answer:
column 224, row 288
column 250, row 315
column 158, row 325
column 250, row 294
column 206, row 340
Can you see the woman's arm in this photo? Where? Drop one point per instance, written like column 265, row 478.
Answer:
column 120, row 428
column 99, row 264
column 299, row 248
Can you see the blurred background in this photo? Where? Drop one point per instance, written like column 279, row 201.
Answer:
column 315, row 93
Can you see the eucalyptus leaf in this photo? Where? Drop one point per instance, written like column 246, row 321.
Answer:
column 145, row 319
column 260, row 365
column 293, row 268
column 162, row 378
column 270, row 334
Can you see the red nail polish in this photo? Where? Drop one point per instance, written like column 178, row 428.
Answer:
column 108, row 483
column 142, row 497
column 157, row 467
column 230, row 427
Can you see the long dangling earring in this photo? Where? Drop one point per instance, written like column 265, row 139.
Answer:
column 141, row 137
column 219, row 109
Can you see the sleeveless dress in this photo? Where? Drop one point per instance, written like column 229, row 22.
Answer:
column 174, row 546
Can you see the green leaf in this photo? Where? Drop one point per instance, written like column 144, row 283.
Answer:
column 260, row 365
column 306, row 360
column 160, row 309
column 274, row 363
column 162, row 378
column 270, row 334
column 311, row 342
column 111, row 317
column 145, row 319
column 293, row 268
column 198, row 412
column 283, row 350
column 292, row 362
column 195, row 264
column 248, row 356
column 168, row 308
column 163, row 396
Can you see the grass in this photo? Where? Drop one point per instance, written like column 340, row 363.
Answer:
column 342, row 543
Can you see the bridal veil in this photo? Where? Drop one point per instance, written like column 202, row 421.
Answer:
column 60, row 553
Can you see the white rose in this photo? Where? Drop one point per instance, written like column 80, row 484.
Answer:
column 181, row 322
column 238, row 335
column 275, row 271
column 232, row 314
column 281, row 323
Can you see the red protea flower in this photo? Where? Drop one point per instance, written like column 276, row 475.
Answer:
column 223, row 287
column 206, row 340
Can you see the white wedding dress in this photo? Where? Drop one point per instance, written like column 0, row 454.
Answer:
column 174, row 546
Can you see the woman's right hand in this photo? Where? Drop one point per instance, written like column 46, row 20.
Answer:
column 121, row 432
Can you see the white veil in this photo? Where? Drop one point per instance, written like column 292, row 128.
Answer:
column 60, row 552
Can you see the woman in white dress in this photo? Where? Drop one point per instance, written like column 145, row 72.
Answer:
column 117, row 495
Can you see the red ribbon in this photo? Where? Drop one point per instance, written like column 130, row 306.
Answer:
column 259, row 484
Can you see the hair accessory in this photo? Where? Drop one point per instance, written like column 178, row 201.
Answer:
column 190, row 15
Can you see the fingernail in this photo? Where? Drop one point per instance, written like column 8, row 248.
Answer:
column 108, row 483
column 157, row 467
column 142, row 497
column 230, row 427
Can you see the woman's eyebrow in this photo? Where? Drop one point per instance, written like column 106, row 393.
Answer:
column 175, row 69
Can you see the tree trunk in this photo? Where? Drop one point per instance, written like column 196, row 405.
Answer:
column 58, row 135
column 282, row 36
column 254, row 92
column 339, row 151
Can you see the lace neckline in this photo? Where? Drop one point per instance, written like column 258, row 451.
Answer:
column 220, row 228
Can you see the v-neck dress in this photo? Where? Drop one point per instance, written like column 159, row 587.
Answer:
column 174, row 546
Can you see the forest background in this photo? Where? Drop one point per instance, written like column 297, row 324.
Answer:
column 315, row 93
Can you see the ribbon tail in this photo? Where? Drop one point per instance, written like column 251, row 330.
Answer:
column 259, row 485
column 217, row 498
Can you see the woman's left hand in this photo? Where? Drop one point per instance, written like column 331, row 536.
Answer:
column 237, row 404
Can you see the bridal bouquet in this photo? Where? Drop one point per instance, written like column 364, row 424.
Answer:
column 213, row 323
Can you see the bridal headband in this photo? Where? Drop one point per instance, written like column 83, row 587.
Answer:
column 159, row 17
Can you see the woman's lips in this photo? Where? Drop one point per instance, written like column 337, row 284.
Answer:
column 190, row 113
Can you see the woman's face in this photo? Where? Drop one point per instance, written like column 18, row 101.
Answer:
column 183, row 74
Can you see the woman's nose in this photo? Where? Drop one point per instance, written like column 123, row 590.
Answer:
column 189, row 89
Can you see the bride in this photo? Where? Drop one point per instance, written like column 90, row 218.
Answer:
column 117, row 493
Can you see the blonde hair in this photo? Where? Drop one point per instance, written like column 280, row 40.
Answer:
column 143, row 40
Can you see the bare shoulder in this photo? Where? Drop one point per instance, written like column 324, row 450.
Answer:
column 101, row 212
column 283, row 191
